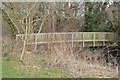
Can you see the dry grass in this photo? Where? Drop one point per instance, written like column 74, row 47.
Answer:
column 79, row 62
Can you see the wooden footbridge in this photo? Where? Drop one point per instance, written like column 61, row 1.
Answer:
column 85, row 38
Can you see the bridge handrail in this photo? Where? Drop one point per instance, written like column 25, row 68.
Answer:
column 70, row 36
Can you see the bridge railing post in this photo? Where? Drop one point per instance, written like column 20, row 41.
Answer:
column 94, row 38
column 83, row 43
column 35, row 48
column 104, row 34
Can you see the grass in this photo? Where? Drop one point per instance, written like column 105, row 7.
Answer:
column 36, row 68
column 0, row 67
column 13, row 68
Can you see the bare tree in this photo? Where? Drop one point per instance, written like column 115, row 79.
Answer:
column 21, row 16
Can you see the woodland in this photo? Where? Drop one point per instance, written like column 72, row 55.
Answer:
column 59, row 60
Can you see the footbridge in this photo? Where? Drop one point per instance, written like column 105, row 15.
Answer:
column 86, row 39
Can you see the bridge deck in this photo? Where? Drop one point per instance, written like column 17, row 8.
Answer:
column 85, row 38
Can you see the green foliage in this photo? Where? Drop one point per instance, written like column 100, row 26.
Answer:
column 99, row 17
column 113, row 15
column 96, row 18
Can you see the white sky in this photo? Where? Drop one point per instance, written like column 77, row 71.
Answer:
column 57, row 0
